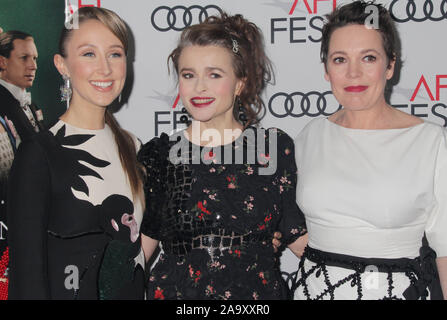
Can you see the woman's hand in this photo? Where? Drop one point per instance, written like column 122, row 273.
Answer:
column 275, row 241
column 299, row 245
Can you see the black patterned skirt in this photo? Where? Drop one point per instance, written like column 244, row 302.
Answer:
column 329, row 276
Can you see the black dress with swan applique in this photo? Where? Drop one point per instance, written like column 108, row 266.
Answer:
column 73, row 226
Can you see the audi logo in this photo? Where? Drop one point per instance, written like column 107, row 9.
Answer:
column 298, row 104
column 180, row 17
column 422, row 11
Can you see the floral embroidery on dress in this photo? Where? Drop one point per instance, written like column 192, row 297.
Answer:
column 194, row 274
column 201, row 210
column 232, row 182
column 212, row 194
column 248, row 170
column 209, row 290
column 284, row 182
column 218, row 205
column 248, row 204
column 266, row 222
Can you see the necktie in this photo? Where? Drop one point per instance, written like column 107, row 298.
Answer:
column 25, row 99
column 25, row 102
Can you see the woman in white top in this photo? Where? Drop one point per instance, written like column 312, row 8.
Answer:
column 372, row 179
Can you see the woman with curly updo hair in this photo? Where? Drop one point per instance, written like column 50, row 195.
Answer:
column 218, row 190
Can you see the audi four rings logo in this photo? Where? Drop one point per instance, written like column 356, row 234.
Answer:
column 298, row 104
column 418, row 11
column 180, row 17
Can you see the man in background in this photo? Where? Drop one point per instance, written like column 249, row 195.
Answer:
column 18, row 65
column 19, row 119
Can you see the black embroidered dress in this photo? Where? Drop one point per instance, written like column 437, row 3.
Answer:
column 216, row 220
column 73, row 226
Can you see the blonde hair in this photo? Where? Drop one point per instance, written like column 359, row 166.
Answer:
column 125, row 142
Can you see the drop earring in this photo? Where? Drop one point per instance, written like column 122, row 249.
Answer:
column 185, row 117
column 66, row 91
column 242, row 116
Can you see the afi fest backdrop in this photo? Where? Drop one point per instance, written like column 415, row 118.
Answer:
column 292, row 32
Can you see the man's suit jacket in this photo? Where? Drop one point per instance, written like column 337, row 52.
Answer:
column 10, row 108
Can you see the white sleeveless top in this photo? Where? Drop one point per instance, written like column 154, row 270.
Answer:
column 373, row 193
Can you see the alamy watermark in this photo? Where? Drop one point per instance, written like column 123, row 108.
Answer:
column 239, row 147
column 71, row 16
column 372, row 21
column 72, row 280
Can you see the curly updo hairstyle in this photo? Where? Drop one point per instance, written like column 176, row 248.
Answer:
column 250, row 62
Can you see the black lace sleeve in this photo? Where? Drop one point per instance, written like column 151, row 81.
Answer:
column 292, row 224
column 153, row 156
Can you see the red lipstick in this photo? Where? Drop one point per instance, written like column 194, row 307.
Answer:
column 201, row 102
column 356, row 88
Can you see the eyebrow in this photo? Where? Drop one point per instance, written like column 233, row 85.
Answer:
column 207, row 69
column 93, row 46
column 26, row 54
column 362, row 52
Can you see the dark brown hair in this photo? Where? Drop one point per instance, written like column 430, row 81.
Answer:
column 250, row 63
column 357, row 13
column 125, row 142
column 7, row 41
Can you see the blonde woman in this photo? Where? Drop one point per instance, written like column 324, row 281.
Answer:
column 75, row 208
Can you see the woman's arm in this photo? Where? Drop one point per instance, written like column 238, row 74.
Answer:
column 293, row 224
column 436, row 227
column 149, row 245
column 152, row 156
column 299, row 245
column 442, row 270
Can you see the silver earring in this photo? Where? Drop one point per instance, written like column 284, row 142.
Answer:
column 66, row 91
